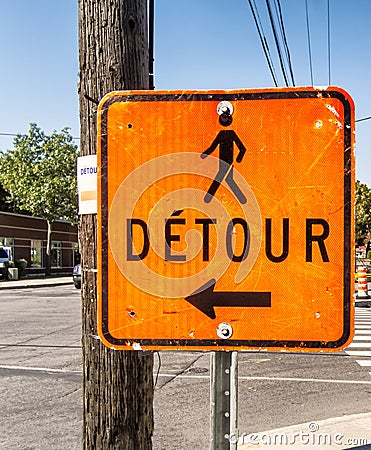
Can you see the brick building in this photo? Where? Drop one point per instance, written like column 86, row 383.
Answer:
column 27, row 237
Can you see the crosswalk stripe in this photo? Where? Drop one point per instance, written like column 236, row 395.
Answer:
column 359, row 353
column 364, row 362
column 360, row 344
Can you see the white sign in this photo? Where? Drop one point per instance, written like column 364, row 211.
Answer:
column 87, row 184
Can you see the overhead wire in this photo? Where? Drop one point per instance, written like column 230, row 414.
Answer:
column 276, row 40
column 309, row 44
column 279, row 34
column 328, row 42
column 284, row 39
column 263, row 40
column 363, row 119
column 264, row 43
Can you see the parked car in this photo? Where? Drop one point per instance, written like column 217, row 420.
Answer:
column 4, row 256
column 76, row 275
column 4, row 259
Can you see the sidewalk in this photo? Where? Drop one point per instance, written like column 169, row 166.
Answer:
column 346, row 432
column 35, row 282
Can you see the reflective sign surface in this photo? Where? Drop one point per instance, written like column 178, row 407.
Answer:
column 226, row 219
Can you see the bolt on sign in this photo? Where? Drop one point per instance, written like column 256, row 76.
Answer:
column 226, row 219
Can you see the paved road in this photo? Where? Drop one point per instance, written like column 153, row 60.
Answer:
column 40, row 373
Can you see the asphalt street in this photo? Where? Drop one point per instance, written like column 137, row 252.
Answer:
column 40, row 389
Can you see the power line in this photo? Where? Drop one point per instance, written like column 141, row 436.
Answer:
column 263, row 40
column 309, row 46
column 328, row 43
column 277, row 42
column 284, row 40
column 280, row 40
column 363, row 119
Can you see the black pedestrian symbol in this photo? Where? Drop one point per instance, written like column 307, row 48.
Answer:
column 225, row 139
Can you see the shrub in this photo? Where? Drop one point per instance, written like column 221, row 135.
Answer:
column 21, row 265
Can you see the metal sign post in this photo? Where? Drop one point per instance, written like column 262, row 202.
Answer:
column 223, row 400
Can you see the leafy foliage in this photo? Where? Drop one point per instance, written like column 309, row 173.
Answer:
column 363, row 213
column 39, row 174
column 4, row 200
column 7, row 204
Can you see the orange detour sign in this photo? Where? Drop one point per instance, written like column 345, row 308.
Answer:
column 226, row 219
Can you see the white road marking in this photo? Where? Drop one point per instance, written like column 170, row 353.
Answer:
column 39, row 369
column 360, row 344
column 203, row 377
column 364, row 362
column 245, row 378
column 359, row 353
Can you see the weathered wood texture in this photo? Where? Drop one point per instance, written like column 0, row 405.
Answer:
column 117, row 385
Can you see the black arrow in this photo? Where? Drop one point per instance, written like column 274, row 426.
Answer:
column 205, row 299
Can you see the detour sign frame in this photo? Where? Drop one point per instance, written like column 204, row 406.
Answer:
column 225, row 219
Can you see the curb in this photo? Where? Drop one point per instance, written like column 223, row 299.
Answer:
column 27, row 284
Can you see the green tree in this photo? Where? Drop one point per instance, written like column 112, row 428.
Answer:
column 39, row 174
column 4, row 200
column 7, row 204
column 363, row 213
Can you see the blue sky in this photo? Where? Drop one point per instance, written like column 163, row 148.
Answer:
column 199, row 44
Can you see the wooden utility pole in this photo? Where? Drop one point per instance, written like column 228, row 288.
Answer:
column 117, row 385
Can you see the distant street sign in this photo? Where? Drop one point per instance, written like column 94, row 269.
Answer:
column 87, row 184
column 226, row 219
